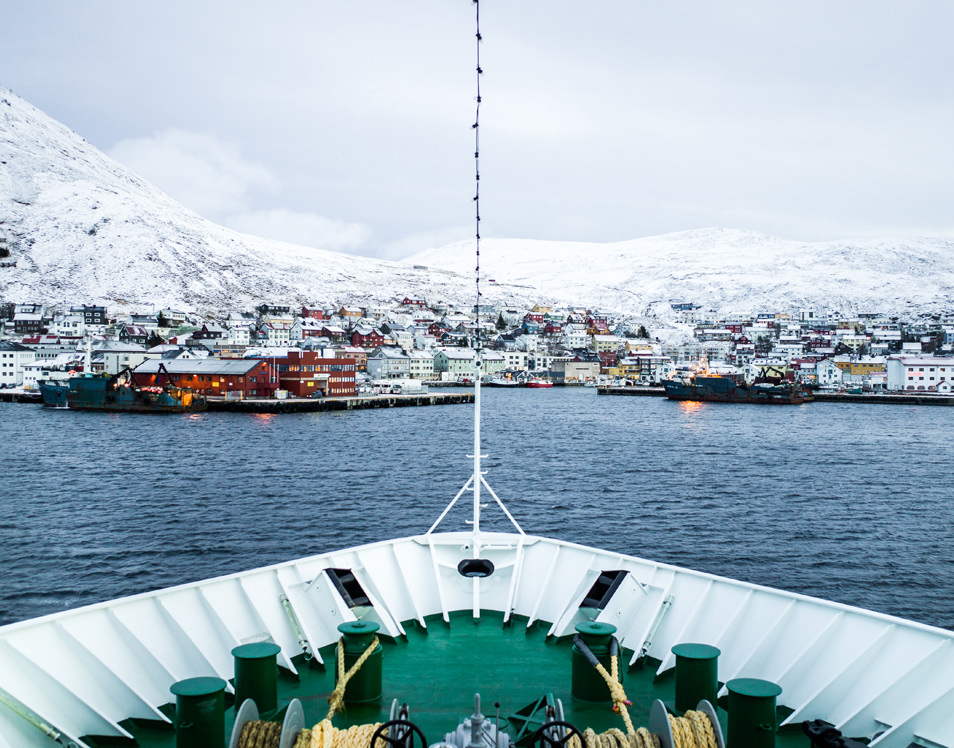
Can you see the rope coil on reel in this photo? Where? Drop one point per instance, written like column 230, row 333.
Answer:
column 696, row 729
column 251, row 732
column 261, row 734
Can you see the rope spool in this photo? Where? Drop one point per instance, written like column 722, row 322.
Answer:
column 257, row 733
column 260, row 734
column 694, row 730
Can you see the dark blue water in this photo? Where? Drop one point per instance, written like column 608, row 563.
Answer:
column 843, row 501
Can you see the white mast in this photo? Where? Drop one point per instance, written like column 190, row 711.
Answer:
column 477, row 479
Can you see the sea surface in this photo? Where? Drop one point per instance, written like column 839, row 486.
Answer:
column 848, row 502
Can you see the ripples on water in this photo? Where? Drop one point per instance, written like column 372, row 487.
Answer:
column 841, row 501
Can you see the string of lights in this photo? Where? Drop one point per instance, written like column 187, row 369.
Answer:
column 476, row 127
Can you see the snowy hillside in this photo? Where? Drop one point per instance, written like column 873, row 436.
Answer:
column 726, row 270
column 85, row 229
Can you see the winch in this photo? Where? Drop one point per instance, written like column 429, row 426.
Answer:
column 477, row 731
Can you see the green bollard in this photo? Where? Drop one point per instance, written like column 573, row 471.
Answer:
column 256, row 675
column 752, row 720
column 587, row 683
column 365, row 685
column 697, row 675
column 200, row 712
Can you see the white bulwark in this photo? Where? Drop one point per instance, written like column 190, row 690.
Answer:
column 920, row 374
column 87, row 670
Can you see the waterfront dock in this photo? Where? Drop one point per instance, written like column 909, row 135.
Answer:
column 866, row 398
column 325, row 404
column 883, row 398
column 20, row 396
column 633, row 391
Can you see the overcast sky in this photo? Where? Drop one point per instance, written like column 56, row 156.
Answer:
column 347, row 124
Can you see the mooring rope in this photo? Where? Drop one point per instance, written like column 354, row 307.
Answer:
column 620, row 701
column 694, row 730
column 262, row 734
column 336, row 699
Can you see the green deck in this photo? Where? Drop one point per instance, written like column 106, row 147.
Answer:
column 437, row 671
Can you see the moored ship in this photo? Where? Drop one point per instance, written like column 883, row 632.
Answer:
column 537, row 383
column 54, row 392
column 122, row 393
column 726, row 390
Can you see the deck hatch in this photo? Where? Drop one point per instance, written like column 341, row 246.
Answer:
column 348, row 587
column 603, row 588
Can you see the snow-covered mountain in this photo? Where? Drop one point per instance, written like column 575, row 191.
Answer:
column 726, row 270
column 84, row 229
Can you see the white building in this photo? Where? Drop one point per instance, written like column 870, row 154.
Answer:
column 14, row 357
column 515, row 360
column 68, row 325
column 239, row 333
column 574, row 336
column 539, row 361
column 920, row 374
column 276, row 333
column 305, row 327
column 117, row 356
column 828, row 374
column 403, row 338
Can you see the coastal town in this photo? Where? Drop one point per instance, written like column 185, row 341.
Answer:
column 281, row 350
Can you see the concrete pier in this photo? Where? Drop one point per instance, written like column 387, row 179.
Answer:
column 323, row 404
column 870, row 398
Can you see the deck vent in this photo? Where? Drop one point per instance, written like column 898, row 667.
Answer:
column 603, row 589
column 475, row 567
column 348, row 587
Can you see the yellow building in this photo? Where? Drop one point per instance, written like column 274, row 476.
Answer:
column 605, row 343
column 862, row 366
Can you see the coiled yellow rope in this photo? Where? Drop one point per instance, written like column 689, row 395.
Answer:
column 324, row 735
column 259, row 734
column 694, row 730
column 256, row 734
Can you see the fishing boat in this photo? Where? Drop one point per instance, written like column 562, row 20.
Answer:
column 537, row 383
column 53, row 392
column 418, row 637
column 725, row 390
column 121, row 392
